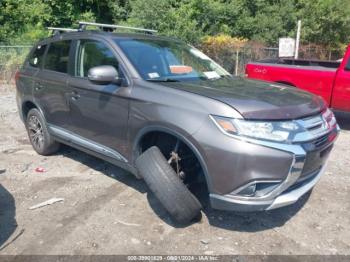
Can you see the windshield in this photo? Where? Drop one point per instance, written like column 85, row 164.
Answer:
column 162, row 60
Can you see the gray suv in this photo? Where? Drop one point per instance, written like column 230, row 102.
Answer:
column 170, row 115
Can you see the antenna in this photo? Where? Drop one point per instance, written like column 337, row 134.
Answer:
column 105, row 27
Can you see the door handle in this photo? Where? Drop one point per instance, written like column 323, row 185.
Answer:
column 38, row 86
column 75, row 95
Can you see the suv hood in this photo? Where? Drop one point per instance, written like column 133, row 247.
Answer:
column 256, row 99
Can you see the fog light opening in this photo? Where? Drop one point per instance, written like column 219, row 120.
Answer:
column 248, row 191
column 258, row 189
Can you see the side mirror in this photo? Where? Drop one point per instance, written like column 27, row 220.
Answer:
column 104, row 75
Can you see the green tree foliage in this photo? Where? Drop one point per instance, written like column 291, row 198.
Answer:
column 24, row 21
column 264, row 20
column 20, row 16
column 324, row 22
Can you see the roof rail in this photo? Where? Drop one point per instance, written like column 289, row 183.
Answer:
column 105, row 27
column 58, row 30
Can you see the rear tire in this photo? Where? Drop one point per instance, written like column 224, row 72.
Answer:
column 169, row 189
column 41, row 140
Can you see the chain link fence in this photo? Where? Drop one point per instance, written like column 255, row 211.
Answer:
column 245, row 55
column 235, row 61
column 11, row 58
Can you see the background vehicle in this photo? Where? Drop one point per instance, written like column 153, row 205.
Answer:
column 331, row 80
column 170, row 115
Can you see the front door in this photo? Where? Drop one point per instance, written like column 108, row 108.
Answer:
column 341, row 91
column 99, row 112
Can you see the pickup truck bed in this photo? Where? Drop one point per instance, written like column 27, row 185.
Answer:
column 328, row 79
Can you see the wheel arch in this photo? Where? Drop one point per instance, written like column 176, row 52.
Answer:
column 182, row 136
column 27, row 106
column 288, row 83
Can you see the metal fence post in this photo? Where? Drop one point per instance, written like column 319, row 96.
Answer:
column 237, row 62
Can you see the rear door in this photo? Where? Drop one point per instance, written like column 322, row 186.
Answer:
column 50, row 89
column 99, row 112
column 28, row 73
column 341, row 90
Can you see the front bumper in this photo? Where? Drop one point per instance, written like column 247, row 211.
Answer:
column 308, row 165
column 228, row 202
column 250, row 163
column 246, row 174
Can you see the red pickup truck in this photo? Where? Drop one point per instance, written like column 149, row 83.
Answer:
column 330, row 80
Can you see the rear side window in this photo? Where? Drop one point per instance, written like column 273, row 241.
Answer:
column 36, row 58
column 57, row 56
column 92, row 53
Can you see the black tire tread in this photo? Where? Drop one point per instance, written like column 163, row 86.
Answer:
column 169, row 189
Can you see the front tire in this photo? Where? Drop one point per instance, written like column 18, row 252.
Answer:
column 169, row 189
column 41, row 140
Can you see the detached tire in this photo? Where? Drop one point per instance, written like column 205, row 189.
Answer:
column 169, row 189
column 40, row 138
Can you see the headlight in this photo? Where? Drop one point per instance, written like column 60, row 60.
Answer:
column 281, row 131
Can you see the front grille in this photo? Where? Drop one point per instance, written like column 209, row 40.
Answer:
column 315, row 125
column 315, row 160
column 321, row 141
column 308, row 176
column 303, row 180
column 316, row 128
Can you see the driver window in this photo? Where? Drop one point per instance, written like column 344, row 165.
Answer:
column 93, row 53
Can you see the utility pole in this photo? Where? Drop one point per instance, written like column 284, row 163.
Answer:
column 297, row 42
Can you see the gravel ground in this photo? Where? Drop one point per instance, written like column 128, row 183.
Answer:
column 107, row 211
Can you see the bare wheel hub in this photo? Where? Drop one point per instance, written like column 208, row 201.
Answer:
column 175, row 159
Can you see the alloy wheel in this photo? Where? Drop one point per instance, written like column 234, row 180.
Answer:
column 36, row 132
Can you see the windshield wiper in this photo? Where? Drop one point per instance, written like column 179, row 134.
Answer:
column 162, row 80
